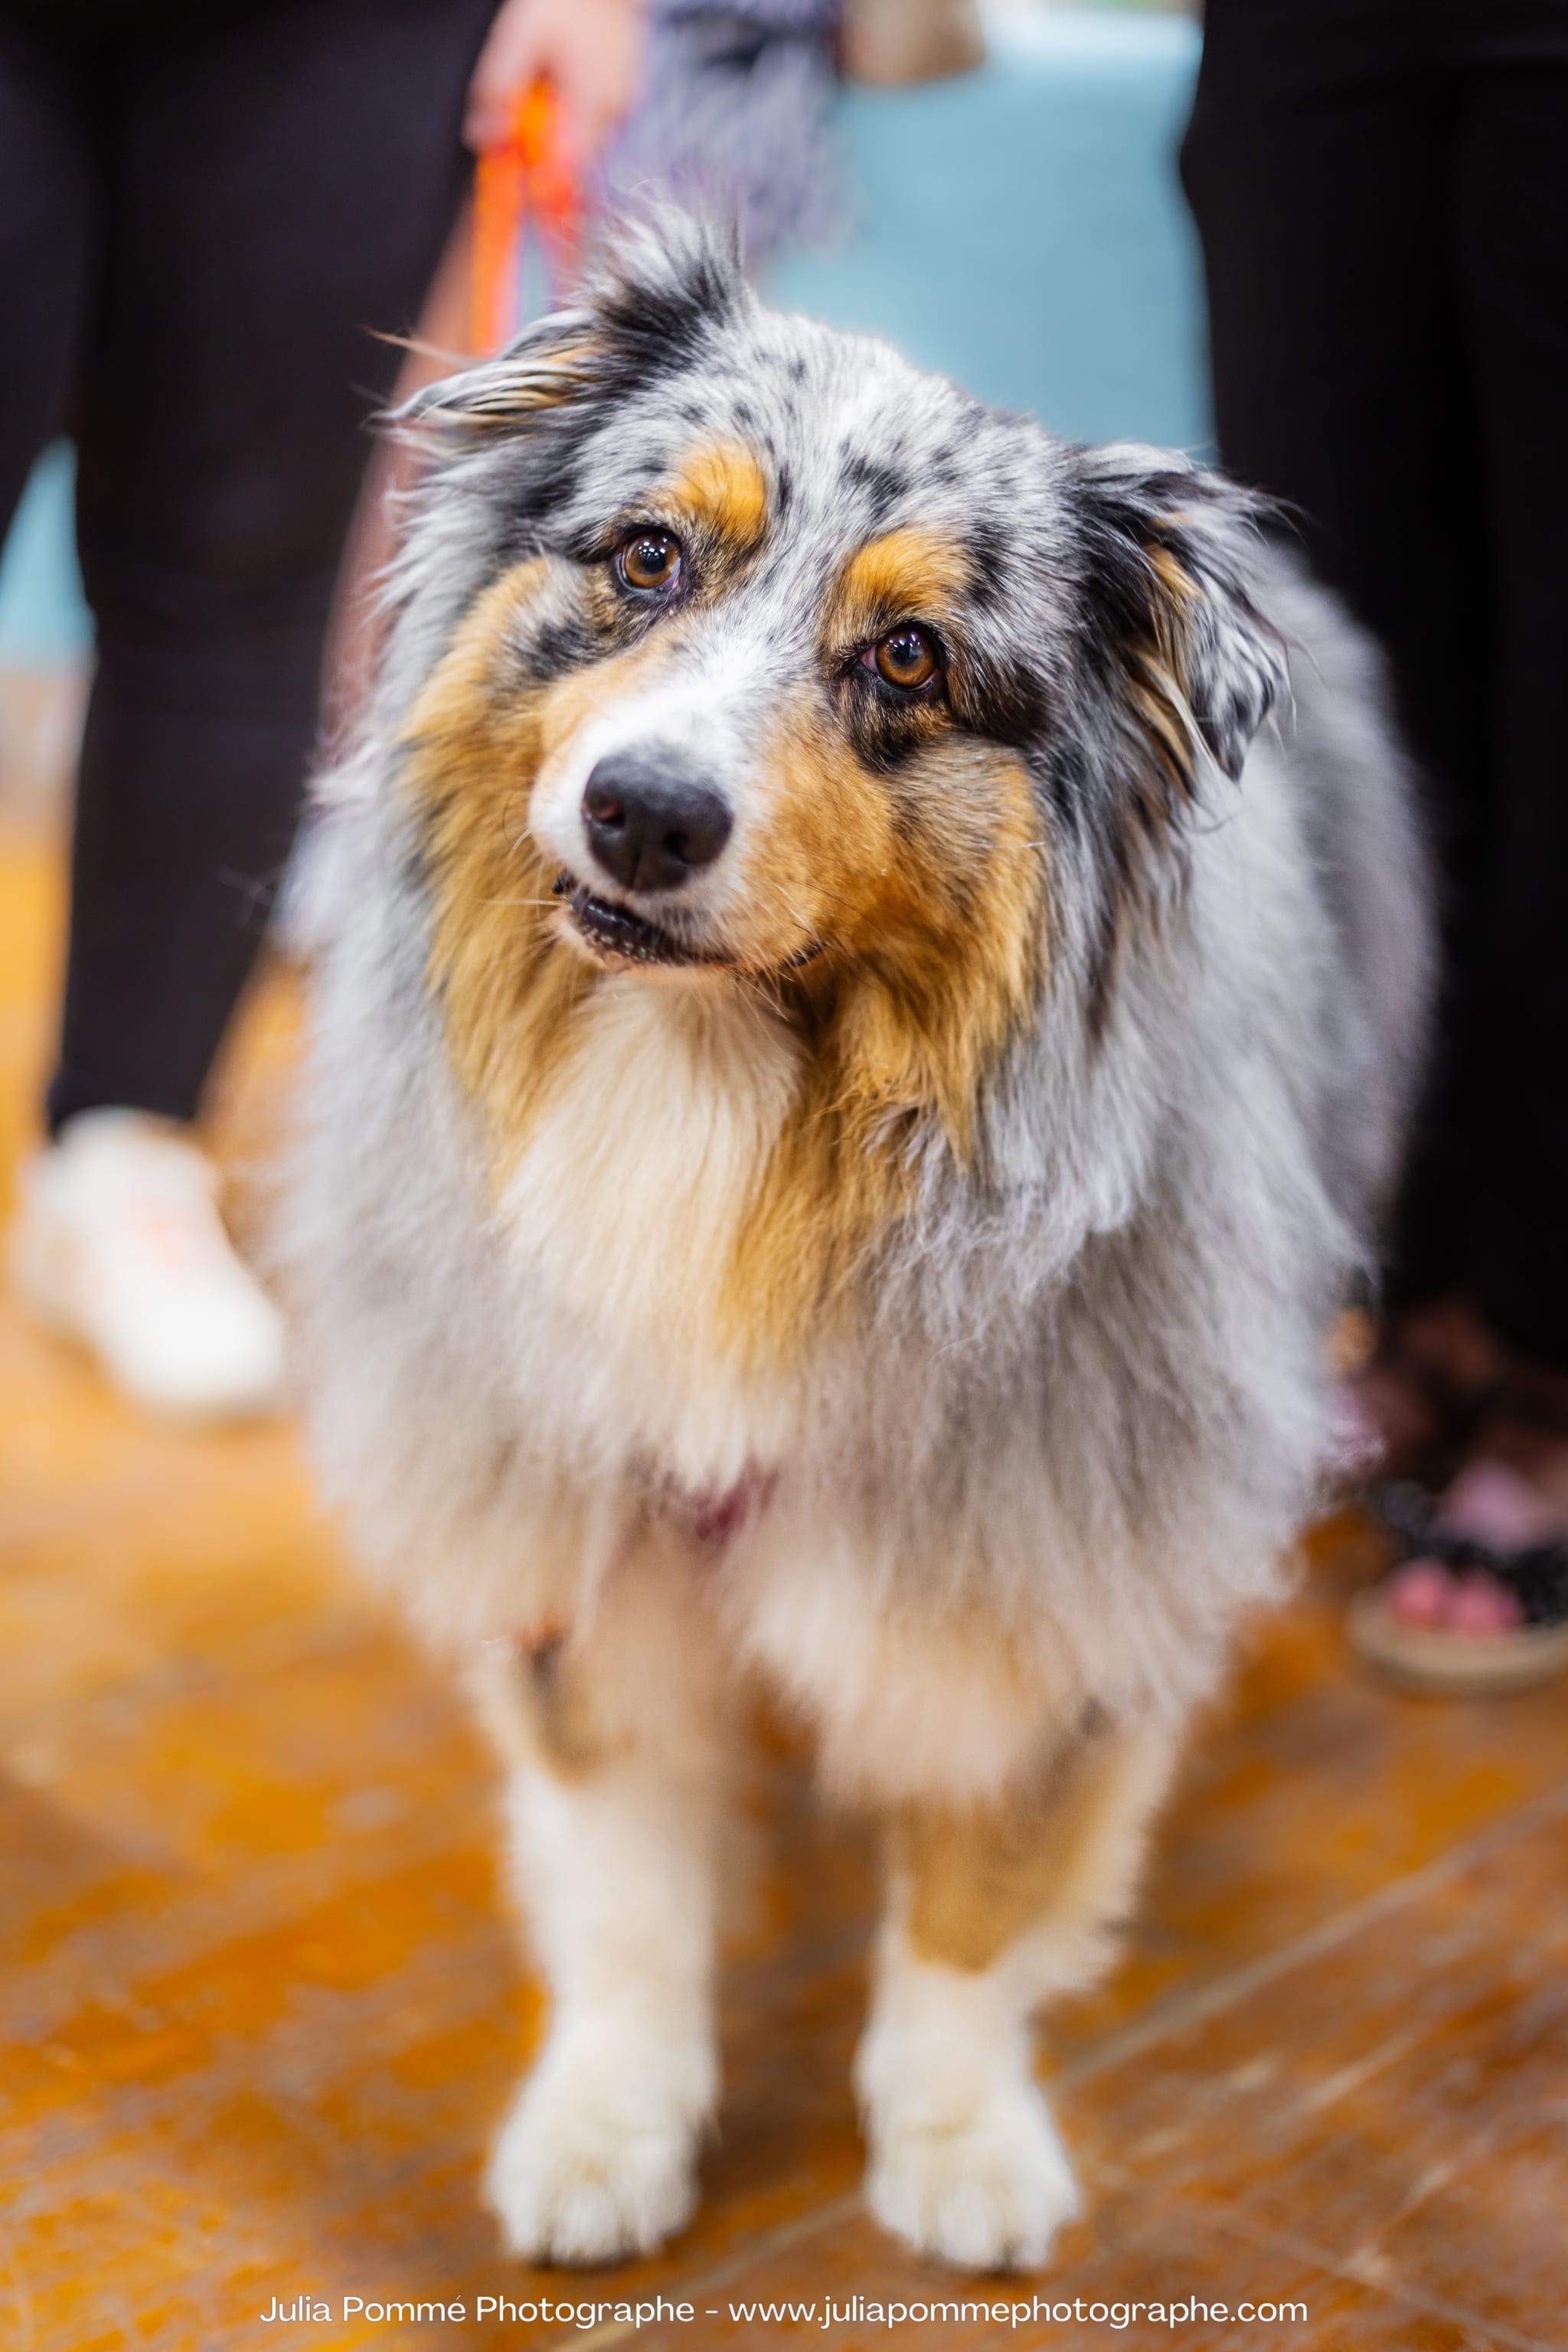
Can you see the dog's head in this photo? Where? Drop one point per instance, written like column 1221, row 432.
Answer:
column 797, row 671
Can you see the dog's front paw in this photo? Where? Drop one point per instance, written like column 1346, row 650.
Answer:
column 987, row 2191
column 590, row 2168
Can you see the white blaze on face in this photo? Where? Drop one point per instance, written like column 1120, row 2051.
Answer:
column 710, row 707
column 701, row 715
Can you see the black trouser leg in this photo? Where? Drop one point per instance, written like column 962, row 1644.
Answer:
column 276, row 185
column 1513, row 241
column 47, row 238
column 1341, row 385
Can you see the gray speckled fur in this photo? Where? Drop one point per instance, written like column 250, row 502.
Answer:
column 1090, row 1393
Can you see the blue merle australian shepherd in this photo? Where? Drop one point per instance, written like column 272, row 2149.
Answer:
column 871, row 964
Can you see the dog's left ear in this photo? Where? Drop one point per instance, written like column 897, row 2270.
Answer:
column 1169, row 557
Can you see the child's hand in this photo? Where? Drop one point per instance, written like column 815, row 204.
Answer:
column 590, row 50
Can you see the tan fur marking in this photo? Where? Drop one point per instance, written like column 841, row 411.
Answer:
column 1060, row 1854
column 723, row 489
column 476, row 737
column 1180, row 588
column 923, row 896
column 559, row 1712
column 1159, row 690
column 906, row 573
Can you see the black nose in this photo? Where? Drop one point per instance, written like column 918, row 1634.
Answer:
column 650, row 826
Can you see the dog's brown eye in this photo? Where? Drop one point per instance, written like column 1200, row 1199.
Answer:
column 906, row 657
column 649, row 559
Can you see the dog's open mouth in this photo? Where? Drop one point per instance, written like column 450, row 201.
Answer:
column 614, row 930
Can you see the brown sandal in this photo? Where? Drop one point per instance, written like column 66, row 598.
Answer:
column 1448, row 1664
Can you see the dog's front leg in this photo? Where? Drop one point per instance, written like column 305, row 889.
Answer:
column 992, row 1909
column 613, row 1749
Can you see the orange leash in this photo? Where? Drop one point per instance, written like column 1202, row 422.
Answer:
column 523, row 180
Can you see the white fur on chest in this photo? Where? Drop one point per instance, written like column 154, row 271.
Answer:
column 624, row 1207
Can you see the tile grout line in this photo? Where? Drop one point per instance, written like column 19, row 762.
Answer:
column 1285, row 2241
column 1223, row 1992
column 1204, row 2003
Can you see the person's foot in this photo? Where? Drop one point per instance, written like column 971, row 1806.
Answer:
column 119, row 1244
column 1492, row 1505
column 1481, row 1601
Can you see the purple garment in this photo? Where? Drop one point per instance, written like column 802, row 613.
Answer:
column 734, row 118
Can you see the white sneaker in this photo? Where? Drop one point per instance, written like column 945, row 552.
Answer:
column 118, row 1243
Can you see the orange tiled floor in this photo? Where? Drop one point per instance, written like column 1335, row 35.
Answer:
column 260, row 2008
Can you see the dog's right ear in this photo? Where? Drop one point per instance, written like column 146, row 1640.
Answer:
column 668, row 281
column 549, row 364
